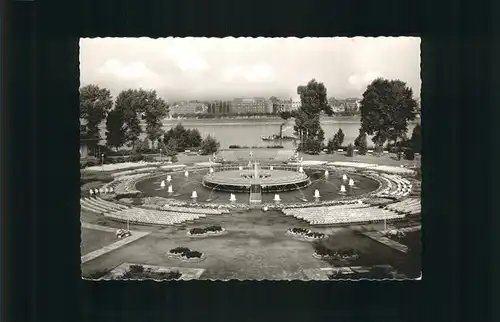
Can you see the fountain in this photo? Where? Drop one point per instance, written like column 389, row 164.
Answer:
column 162, row 184
column 91, row 192
column 344, row 177
column 316, row 194
column 110, row 189
column 271, row 168
column 240, row 168
column 106, row 190
column 301, row 170
column 170, row 190
column 186, row 173
column 232, row 198
column 342, row 189
column 211, row 170
column 326, row 173
column 101, row 190
column 277, row 198
column 265, row 208
column 351, row 182
column 169, row 178
column 194, row 195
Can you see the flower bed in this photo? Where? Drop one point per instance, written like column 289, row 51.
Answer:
column 137, row 272
column 210, row 230
column 324, row 252
column 305, row 233
column 187, row 254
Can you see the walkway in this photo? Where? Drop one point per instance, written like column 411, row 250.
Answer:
column 377, row 236
column 106, row 249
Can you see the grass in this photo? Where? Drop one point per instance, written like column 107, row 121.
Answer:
column 93, row 239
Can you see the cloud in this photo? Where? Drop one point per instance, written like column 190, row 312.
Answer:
column 186, row 60
column 133, row 73
column 360, row 81
column 223, row 68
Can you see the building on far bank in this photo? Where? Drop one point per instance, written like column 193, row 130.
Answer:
column 249, row 105
column 188, row 108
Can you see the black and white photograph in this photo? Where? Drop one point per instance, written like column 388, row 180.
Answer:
column 250, row 158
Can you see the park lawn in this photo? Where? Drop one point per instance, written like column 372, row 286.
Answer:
column 92, row 239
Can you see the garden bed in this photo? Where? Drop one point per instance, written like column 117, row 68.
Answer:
column 305, row 233
column 186, row 254
column 207, row 231
column 323, row 252
column 138, row 272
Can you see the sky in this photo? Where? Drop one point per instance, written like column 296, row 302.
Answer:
column 224, row 68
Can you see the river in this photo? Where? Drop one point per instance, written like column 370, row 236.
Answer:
column 248, row 132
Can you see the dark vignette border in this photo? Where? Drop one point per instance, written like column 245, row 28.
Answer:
column 40, row 150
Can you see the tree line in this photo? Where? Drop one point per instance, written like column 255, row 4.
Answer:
column 124, row 118
column 386, row 109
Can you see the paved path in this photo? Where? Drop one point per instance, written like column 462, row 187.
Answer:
column 106, row 249
column 375, row 235
column 98, row 227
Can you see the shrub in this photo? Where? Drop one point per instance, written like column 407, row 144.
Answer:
column 299, row 230
column 135, row 157
column 315, row 235
column 322, row 250
column 409, row 154
column 197, row 231
column 361, row 143
column 180, row 250
column 350, row 150
column 134, row 269
column 234, row 146
column 174, row 159
column 213, row 228
column 172, row 275
column 275, row 147
column 192, row 254
column 96, row 275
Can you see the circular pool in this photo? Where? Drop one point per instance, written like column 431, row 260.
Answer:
column 292, row 186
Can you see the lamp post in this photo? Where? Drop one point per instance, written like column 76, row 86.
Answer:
column 161, row 159
column 102, row 159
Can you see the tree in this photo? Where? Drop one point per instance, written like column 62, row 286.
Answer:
column 142, row 145
column 285, row 115
column 95, row 103
column 194, row 137
column 115, row 129
column 386, row 108
column 127, row 101
column 313, row 99
column 361, row 142
column 330, row 146
column 338, row 139
column 209, row 145
column 416, row 139
column 350, row 150
column 171, row 147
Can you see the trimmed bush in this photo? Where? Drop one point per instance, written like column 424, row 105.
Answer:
column 180, row 250
column 192, row 254
column 134, row 269
column 199, row 231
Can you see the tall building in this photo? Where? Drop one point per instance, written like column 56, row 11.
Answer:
column 249, row 105
column 219, row 107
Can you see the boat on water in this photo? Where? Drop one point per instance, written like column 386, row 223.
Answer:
column 275, row 137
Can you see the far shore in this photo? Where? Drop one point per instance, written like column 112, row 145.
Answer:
column 269, row 119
